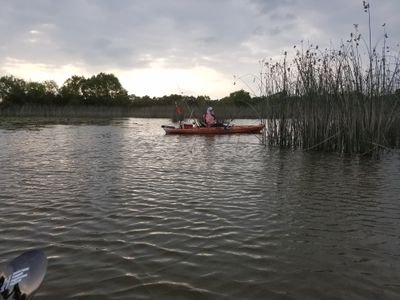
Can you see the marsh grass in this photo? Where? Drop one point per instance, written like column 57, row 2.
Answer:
column 344, row 100
column 88, row 111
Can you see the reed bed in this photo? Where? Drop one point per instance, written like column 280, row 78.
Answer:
column 342, row 100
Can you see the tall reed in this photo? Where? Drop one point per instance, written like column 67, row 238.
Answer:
column 336, row 99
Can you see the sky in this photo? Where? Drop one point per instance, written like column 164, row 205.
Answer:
column 163, row 47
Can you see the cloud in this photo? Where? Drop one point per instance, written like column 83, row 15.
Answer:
column 226, row 36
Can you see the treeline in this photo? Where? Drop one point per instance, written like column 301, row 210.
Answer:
column 99, row 90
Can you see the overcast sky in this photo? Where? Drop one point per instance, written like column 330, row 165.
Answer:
column 160, row 47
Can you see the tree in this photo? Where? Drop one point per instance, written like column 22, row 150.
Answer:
column 12, row 90
column 104, row 89
column 35, row 93
column 71, row 91
column 240, row 97
column 51, row 87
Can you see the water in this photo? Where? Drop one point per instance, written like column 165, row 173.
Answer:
column 125, row 212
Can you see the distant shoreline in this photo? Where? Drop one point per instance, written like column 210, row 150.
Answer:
column 93, row 111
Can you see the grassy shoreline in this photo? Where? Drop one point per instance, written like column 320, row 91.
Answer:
column 153, row 111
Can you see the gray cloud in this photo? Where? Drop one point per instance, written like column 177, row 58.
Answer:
column 226, row 35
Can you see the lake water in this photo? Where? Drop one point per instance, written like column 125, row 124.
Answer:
column 125, row 212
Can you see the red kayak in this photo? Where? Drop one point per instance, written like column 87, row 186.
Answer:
column 231, row 129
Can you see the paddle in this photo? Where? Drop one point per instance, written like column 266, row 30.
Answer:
column 23, row 275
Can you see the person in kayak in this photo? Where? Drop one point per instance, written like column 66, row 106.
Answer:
column 209, row 117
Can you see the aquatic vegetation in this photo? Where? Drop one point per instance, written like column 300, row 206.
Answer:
column 345, row 100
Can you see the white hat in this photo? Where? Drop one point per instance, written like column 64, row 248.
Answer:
column 210, row 108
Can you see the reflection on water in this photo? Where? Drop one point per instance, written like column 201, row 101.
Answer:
column 126, row 212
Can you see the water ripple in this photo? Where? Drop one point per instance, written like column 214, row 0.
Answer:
column 125, row 212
